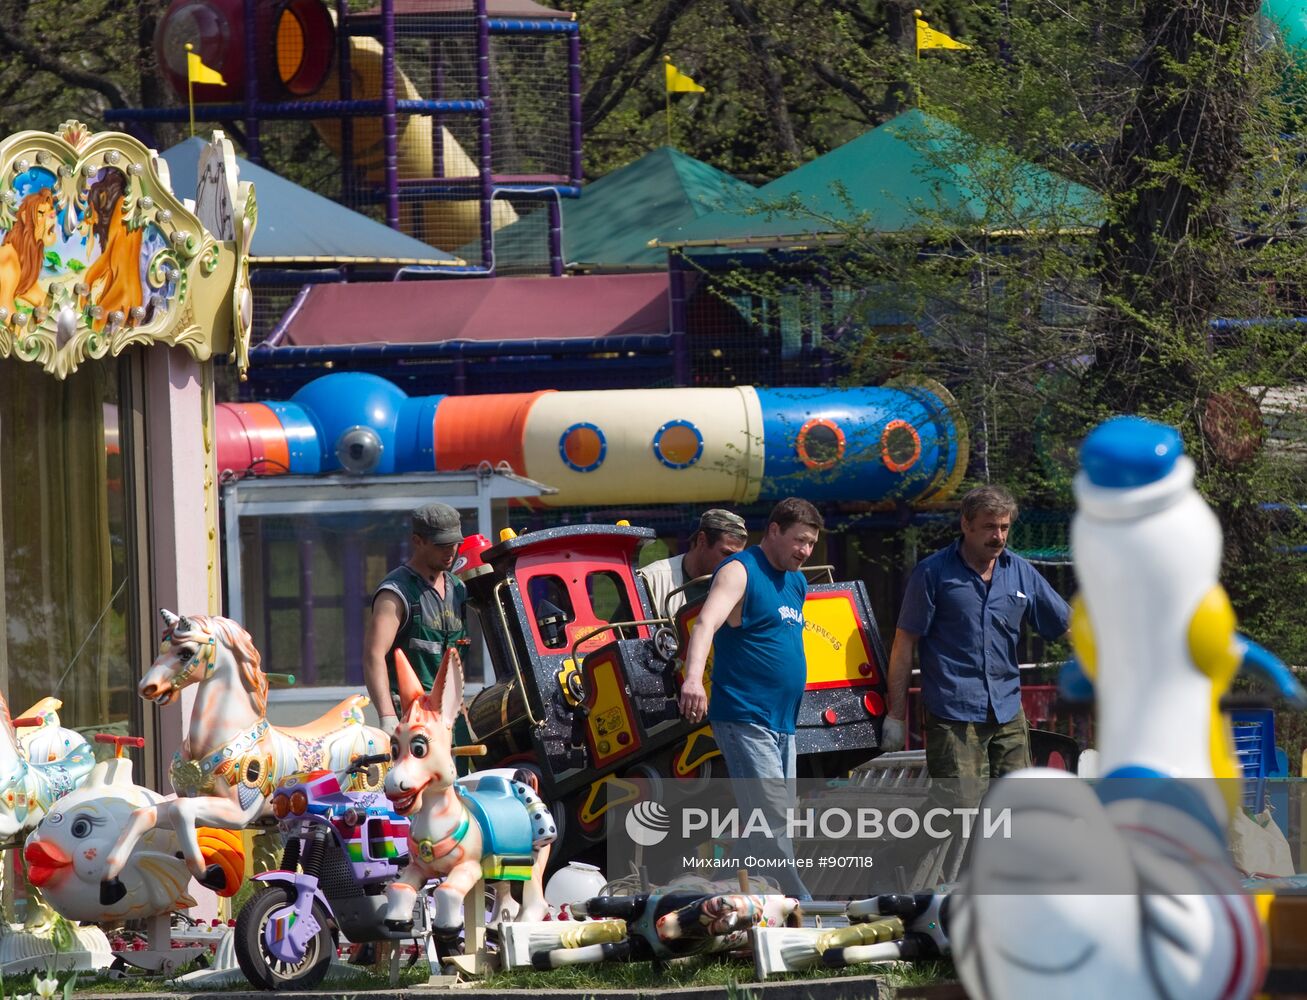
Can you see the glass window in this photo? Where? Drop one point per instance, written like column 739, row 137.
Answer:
column 65, row 597
column 608, row 598
column 306, row 589
column 548, row 588
column 551, row 605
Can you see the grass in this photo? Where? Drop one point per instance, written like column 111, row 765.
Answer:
column 707, row 972
column 736, row 977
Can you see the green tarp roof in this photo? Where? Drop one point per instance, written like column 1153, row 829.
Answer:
column 609, row 227
column 297, row 226
column 913, row 171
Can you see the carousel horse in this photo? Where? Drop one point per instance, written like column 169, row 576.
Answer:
column 486, row 825
column 231, row 758
column 38, row 767
column 1125, row 890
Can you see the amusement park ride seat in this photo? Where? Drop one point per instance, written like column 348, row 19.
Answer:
column 1055, row 750
column 329, row 721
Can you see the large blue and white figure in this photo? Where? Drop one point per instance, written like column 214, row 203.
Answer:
column 1125, row 890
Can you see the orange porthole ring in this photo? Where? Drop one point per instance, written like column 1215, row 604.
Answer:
column 891, row 463
column 801, row 445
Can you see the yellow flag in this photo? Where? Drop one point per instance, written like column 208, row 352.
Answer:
column 678, row 82
column 200, row 73
column 929, row 38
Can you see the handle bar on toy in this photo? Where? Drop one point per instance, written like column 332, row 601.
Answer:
column 280, row 680
column 120, row 741
column 700, row 580
column 28, row 720
column 587, row 636
column 367, row 760
column 816, row 572
column 472, row 750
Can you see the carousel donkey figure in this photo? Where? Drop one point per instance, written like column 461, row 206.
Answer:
column 231, row 758
column 486, row 825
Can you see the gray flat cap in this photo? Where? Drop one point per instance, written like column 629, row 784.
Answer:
column 438, row 523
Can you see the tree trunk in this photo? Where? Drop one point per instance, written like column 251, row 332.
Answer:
column 763, row 46
column 1178, row 153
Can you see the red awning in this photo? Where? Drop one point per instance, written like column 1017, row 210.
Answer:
column 484, row 309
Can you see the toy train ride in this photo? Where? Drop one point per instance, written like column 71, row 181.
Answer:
column 588, row 675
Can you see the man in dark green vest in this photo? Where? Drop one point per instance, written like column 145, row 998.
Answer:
column 418, row 608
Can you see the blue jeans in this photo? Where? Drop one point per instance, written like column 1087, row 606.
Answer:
column 760, row 763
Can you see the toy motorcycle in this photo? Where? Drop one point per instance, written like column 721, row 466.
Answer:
column 342, row 849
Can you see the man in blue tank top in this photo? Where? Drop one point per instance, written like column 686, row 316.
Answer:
column 752, row 621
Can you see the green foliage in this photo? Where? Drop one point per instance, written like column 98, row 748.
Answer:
column 1178, row 116
column 1043, row 329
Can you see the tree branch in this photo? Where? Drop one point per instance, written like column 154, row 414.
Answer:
column 762, row 44
column 13, row 42
column 621, row 72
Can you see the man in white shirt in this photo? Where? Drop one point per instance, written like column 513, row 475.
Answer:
column 721, row 533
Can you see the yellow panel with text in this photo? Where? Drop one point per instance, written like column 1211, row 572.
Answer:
column 609, row 725
column 834, row 642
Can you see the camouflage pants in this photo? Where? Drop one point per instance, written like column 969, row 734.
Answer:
column 962, row 758
column 976, row 751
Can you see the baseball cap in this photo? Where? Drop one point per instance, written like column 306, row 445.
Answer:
column 438, row 523
column 718, row 519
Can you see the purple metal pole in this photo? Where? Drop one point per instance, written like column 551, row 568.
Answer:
column 389, row 120
column 555, row 237
column 355, row 605
column 437, row 120
column 677, row 317
column 826, row 322
column 484, row 139
column 574, row 104
column 251, row 86
column 308, row 671
column 347, row 174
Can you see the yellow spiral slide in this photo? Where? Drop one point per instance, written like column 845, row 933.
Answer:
column 444, row 224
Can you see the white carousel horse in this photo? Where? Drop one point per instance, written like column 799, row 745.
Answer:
column 486, row 825
column 39, row 767
column 1125, row 891
column 232, row 757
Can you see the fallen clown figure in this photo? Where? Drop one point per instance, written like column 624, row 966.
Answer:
column 663, row 926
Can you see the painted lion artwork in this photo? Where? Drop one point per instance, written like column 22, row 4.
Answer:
column 113, row 281
column 23, row 251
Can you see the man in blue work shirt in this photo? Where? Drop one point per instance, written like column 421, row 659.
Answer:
column 963, row 612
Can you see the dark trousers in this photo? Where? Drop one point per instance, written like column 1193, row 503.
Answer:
column 976, row 751
column 962, row 758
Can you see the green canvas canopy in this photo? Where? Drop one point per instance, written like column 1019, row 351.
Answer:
column 609, row 228
column 914, row 172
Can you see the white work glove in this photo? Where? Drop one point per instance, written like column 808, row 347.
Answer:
column 389, row 724
column 893, row 734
